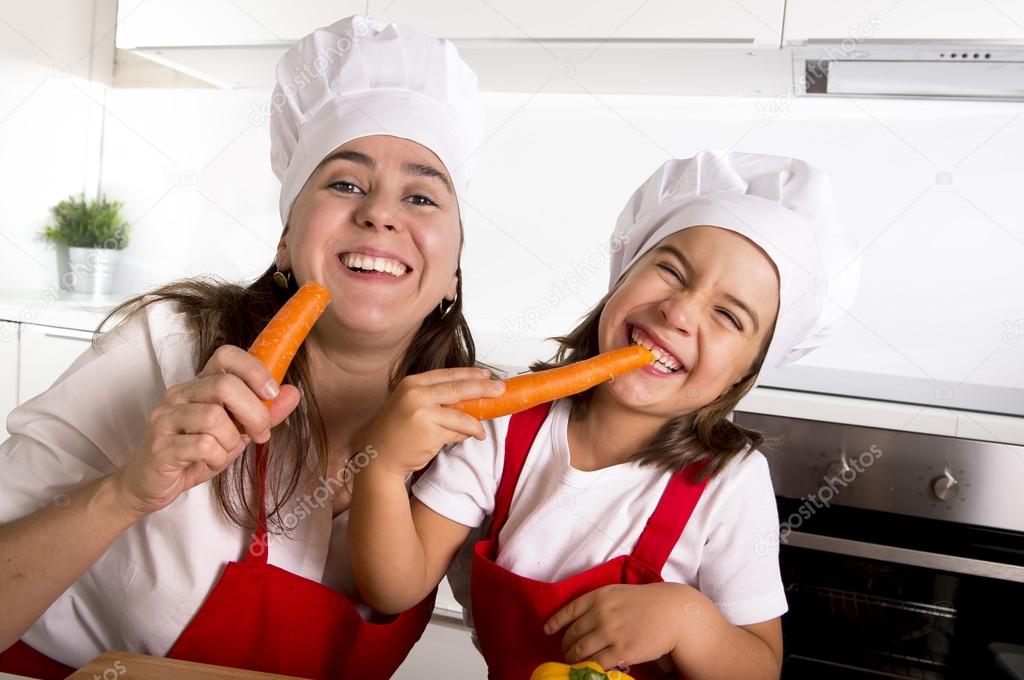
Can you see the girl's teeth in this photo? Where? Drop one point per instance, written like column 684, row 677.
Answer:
column 663, row 361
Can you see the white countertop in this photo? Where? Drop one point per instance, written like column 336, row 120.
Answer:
column 57, row 308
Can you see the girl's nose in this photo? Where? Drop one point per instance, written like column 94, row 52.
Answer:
column 679, row 312
column 376, row 212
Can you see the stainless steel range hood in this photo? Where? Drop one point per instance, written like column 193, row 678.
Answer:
column 960, row 70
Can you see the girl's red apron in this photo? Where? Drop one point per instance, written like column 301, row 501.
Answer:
column 510, row 611
column 260, row 617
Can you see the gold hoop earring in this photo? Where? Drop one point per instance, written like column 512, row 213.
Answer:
column 441, row 308
column 281, row 279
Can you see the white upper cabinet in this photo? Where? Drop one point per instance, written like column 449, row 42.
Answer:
column 758, row 22
column 839, row 20
column 192, row 23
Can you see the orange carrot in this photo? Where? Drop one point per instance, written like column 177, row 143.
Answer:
column 530, row 389
column 277, row 344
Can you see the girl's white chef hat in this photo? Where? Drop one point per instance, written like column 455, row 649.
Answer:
column 781, row 204
column 356, row 78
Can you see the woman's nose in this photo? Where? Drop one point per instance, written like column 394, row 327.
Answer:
column 376, row 212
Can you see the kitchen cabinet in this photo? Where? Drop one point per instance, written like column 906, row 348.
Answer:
column 45, row 352
column 904, row 20
column 8, row 372
column 758, row 22
column 194, row 23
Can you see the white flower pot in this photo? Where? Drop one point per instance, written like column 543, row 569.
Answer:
column 91, row 270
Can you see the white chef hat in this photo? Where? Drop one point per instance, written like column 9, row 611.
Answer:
column 356, row 78
column 783, row 205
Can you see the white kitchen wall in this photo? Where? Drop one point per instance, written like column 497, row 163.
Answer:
column 52, row 73
column 929, row 189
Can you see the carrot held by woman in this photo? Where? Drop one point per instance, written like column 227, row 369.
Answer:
column 277, row 344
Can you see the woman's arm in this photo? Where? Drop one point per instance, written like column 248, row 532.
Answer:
column 189, row 440
column 43, row 554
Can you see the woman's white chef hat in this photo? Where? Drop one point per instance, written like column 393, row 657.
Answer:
column 356, row 78
column 781, row 204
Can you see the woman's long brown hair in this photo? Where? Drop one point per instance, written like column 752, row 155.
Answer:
column 221, row 313
column 706, row 435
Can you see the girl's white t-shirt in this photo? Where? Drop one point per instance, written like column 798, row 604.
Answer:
column 564, row 520
column 145, row 589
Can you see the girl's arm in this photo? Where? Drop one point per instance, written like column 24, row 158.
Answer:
column 400, row 548
column 709, row 647
column 629, row 624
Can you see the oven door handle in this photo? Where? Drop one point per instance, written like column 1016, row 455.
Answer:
column 913, row 558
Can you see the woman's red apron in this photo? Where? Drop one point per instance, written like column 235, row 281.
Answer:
column 260, row 617
column 510, row 611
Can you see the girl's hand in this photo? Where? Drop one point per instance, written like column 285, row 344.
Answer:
column 415, row 422
column 191, row 437
column 622, row 625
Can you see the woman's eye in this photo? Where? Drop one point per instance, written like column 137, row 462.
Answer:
column 346, row 187
column 732, row 318
column 673, row 271
column 419, row 199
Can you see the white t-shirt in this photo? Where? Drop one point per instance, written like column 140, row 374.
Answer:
column 564, row 521
column 145, row 589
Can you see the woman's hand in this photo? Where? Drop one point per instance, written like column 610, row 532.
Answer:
column 191, row 436
column 415, row 422
column 621, row 625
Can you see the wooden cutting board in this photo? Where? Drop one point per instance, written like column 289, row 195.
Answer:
column 125, row 666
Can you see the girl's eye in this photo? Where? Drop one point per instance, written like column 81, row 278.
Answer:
column 346, row 187
column 732, row 318
column 420, row 199
column 673, row 271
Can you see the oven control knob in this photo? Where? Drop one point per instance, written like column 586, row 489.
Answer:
column 946, row 487
column 838, row 468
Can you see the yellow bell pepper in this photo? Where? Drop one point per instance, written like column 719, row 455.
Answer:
column 587, row 670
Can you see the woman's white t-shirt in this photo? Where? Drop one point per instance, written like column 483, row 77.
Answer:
column 145, row 589
column 564, row 520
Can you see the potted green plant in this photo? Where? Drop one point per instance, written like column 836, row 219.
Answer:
column 94, row 231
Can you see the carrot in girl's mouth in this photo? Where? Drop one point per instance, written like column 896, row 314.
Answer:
column 277, row 344
column 528, row 390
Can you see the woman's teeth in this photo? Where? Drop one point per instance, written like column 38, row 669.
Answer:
column 664, row 361
column 368, row 263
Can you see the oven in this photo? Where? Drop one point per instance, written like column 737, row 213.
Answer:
column 902, row 554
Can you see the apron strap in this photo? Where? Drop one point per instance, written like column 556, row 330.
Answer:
column 666, row 523
column 259, row 547
column 522, row 430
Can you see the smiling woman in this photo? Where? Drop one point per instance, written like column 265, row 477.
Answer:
column 373, row 145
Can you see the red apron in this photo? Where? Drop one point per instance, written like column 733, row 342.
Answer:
column 263, row 618
column 510, row 611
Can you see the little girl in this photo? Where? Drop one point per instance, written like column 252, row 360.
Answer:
column 631, row 525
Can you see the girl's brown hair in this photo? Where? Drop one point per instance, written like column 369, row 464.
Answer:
column 705, row 436
column 222, row 313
